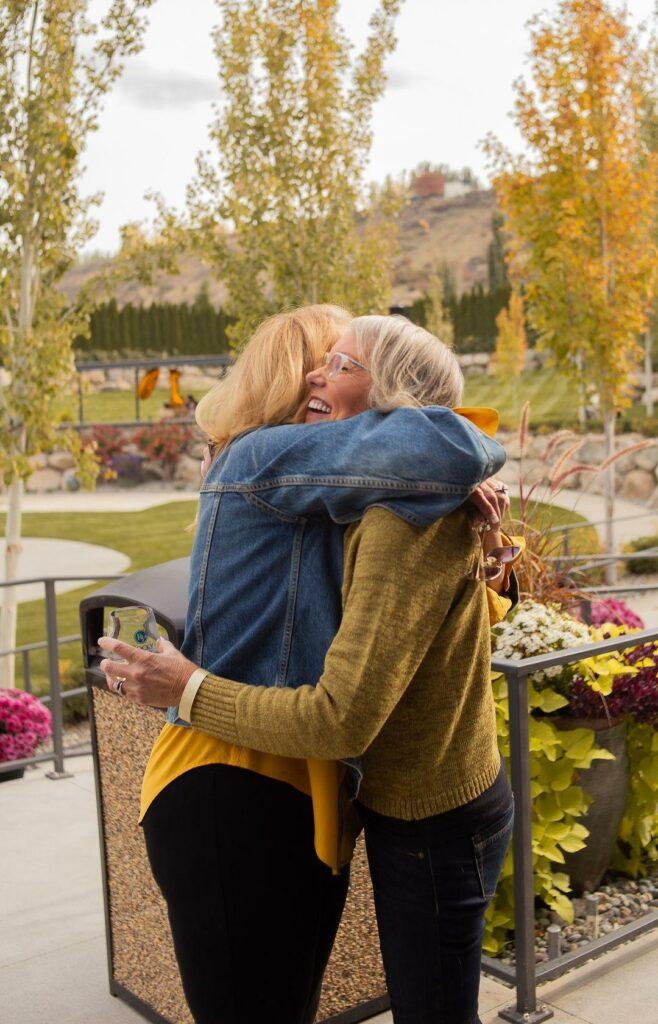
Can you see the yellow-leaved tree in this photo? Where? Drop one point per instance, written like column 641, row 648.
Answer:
column 281, row 212
column 56, row 66
column 511, row 344
column 580, row 205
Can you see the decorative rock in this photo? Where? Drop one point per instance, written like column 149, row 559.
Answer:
column 188, row 470
column 94, row 377
column 61, row 460
column 70, row 481
column 647, row 458
column 638, row 485
column 43, row 481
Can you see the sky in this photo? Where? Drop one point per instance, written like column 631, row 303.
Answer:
column 450, row 83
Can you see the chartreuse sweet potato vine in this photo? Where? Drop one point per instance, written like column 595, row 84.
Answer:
column 558, row 802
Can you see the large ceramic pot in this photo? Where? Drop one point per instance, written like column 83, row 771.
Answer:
column 606, row 783
column 15, row 773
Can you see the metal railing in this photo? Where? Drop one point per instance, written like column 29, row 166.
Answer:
column 136, row 365
column 56, row 696
column 525, row 974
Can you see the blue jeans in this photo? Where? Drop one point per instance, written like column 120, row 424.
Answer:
column 431, row 894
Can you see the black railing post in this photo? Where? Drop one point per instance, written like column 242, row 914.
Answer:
column 58, row 771
column 526, row 1010
column 137, row 412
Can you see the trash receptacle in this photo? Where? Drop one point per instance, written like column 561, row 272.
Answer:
column 141, row 962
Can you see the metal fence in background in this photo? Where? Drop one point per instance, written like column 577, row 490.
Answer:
column 525, row 975
column 56, row 696
column 143, row 364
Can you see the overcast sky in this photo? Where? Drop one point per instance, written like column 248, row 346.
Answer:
column 450, row 83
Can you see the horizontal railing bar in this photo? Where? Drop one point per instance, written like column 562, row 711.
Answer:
column 223, row 360
column 125, row 424
column 66, row 694
column 8, row 766
column 594, row 558
column 552, row 969
column 619, row 588
column 38, row 645
column 524, row 666
column 566, row 527
column 497, row 969
column 59, row 579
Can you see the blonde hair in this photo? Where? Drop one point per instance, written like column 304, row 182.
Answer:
column 408, row 365
column 267, row 383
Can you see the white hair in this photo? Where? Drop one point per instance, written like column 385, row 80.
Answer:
column 408, row 365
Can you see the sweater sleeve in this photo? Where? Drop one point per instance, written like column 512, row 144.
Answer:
column 401, row 589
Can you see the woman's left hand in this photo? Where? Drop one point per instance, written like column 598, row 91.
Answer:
column 491, row 501
column 156, row 678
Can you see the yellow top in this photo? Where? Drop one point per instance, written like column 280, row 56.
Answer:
column 178, row 750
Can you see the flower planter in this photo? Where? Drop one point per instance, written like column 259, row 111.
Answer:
column 606, row 783
column 15, row 773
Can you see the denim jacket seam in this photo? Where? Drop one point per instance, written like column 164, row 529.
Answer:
column 291, row 603
column 375, row 483
column 264, row 506
column 198, row 628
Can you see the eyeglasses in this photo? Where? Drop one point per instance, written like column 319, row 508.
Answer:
column 338, row 362
column 491, row 568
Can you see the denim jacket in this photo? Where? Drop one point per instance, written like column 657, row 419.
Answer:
column 267, row 561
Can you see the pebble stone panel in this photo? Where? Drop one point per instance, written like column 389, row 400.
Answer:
column 143, row 957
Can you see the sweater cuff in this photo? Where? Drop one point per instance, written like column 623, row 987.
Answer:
column 213, row 709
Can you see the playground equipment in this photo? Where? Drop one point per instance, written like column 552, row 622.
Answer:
column 148, row 383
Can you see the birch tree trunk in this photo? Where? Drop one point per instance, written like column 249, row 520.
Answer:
column 648, row 372
column 8, row 618
column 610, row 546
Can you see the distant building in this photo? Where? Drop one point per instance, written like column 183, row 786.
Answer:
column 430, row 183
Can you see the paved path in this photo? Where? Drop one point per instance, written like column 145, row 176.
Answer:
column 43, row 557
column 128, row 500
column 52, row 949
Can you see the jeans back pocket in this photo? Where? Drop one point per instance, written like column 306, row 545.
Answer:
column 490, row 848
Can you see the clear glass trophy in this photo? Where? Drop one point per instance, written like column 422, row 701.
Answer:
column 135, row 625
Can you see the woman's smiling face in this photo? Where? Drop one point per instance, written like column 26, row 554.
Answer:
column 342, row 396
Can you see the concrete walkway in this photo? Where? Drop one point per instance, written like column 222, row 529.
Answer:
column 126, row 500
column 52, row 948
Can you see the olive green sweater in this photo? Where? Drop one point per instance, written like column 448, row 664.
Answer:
column 406, row 682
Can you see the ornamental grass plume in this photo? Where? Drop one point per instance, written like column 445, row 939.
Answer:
column 540, row 576
column 24, row 723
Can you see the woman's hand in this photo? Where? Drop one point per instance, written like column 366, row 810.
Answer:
column 491, row 502
column 206, row 462
column 146, row 677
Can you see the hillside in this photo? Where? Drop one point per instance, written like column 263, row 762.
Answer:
column 455, row 231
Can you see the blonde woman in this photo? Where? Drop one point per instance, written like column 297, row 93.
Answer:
column 232, row 835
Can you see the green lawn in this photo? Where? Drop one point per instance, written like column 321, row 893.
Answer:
column 156, row 535
column 553, row 401
column 117, row 406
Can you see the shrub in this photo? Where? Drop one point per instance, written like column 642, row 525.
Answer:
column 164, row 443
column 24, row 723
column 107, row 442
column 614, row 611
column 639, row 566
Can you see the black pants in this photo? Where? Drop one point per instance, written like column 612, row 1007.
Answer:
column 253, row 912
column 432, row 882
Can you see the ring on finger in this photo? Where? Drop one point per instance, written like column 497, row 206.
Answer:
column 118, row 685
